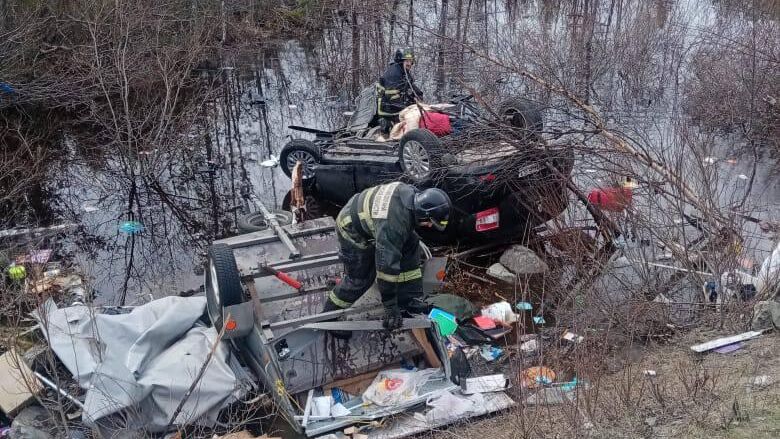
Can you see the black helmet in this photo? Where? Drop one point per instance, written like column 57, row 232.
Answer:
column 432, row 205
column 402, row 55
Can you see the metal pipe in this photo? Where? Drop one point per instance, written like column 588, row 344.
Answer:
column 59, row 390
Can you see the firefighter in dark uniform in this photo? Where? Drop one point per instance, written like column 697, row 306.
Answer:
column 377, row 239
column 396, row 89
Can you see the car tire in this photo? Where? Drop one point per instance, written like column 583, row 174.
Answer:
column 303, row 150
column 256, row 222
column 419, row 154
column 223, row 282
column 522, row 114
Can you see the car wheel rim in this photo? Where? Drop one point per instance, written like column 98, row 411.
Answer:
column 304, row 157
column 416, row 160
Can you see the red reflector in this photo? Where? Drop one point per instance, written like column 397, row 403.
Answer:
column 488, row 178
column 440, row 275
column 230, row 325
column 487, row 220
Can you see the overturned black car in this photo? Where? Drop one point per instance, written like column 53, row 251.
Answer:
column 501, row 175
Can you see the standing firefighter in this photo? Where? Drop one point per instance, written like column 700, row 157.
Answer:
column 396, row 89
column 377, row 239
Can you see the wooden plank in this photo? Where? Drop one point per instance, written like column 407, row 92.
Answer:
column 430, row 353
column 714, row 344
column 354, row 385
column 18, row 385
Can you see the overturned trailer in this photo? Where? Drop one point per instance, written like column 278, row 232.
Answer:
column 267, row 290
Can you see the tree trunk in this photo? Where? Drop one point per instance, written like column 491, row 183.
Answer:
column 440, row 78
column 355, row 52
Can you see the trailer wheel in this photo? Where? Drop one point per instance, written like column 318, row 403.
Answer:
column 419, row 153
column 223, row 282
column 255, row 221
column 301, row 150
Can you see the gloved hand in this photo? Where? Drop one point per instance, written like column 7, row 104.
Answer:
column 393, row 319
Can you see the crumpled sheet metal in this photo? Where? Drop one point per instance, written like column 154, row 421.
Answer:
column 142, row 363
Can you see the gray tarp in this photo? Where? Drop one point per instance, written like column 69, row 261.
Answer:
column 143, row 361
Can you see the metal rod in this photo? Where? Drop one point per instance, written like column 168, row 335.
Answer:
column 59, row 390
column 294, row 252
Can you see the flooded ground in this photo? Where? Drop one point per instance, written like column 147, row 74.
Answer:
column 196, row 195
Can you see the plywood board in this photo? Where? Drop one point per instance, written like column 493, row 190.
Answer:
column 17, row 383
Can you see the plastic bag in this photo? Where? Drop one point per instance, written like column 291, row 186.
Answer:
column 446, row 406
column 396, row 386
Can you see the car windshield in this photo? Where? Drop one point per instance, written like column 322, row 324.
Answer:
column 365, row 109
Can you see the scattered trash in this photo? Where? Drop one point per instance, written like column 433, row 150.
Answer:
column 729, row 348
column 521, row 260
column 761, row 380
column 731, row 161
column 396, row 386
column 490, row 353
column 500, row 312
column 710, row 160
column 17, row 272
column 272, row 162
column 484, row 384
column 704, row 347
column 497, row 332
column 524, row 306
column 572, row 337
column 35, row 257
column 444, row 320
column 539, row 320
column 321, row 405
column 530, row 346
column 536, row 376
column 338, row 410
column 292, row 106
column 458, row 306
column 7, row 88
column 483, row 322
column 742, row 177
column 570, row 385
column 500, row 272
column 131, row 227
column 649, row 372
column 447, row 406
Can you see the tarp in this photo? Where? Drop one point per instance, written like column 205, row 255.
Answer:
column 142, row 363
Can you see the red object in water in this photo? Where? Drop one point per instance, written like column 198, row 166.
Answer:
column 612, row 199
column 437, row 123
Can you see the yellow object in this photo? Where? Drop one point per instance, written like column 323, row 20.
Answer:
column 17, row 272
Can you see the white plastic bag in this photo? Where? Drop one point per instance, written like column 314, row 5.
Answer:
column 396, row 386
column 446, row 406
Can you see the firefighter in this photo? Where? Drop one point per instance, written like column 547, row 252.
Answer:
column 377, row 239
column 396, row 89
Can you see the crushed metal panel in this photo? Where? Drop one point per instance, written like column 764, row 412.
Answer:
column 403, row 426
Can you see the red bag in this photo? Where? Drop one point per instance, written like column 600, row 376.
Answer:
column 612, row 199
column 437, row 123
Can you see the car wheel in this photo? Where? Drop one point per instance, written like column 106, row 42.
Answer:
column 255, row 221
column 523, row 115
column 419, row 154
column 301, row 150
column 223, row 282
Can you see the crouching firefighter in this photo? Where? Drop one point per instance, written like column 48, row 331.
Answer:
column 377, row 239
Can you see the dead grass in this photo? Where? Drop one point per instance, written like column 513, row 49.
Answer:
column 691, row 396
